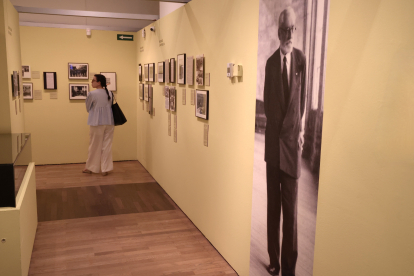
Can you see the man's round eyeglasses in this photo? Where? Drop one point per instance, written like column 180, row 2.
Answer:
column 289, row 29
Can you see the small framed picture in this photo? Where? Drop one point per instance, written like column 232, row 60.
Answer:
column 146, row 72
column 78, row 91
column 201, row 106
column 200, row 70
column 172, row 70
column 151, row 69
column 173, row 99
column 181, row 59
column 141, row 91
column 28, row 91
column 15, row 84
column 167, row 71
column 161, row 67
column 49, row 81
column 78, row 71
column 167, row 97
column 110, row 80
column 146, row 95
column 140, row 72
column 26, row 72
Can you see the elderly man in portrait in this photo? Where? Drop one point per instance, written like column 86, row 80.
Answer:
column 284, row 101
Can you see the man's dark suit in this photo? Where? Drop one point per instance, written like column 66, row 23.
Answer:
column 283, row 154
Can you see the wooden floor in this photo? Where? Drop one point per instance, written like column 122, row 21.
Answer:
column 148, row 234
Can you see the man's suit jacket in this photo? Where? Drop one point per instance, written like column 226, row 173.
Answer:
column 282, row 146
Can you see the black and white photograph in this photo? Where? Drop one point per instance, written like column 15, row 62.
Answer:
column 49, row 80
column 290, row 86
column 26, row 72
column 15, row 84
column 146, row 89
column 172, row 70
column 141, row 91
column 78, row 91
column 173, row 99
column 161, row 66
column 201, row 104
column 167, row 71
column 146, row 72
column 140, row 72
column 28, row 91
column 200, row 70
column 181, row 73
column 110, row 80
column 167, row 97
column 151, row 69
column 78, row 71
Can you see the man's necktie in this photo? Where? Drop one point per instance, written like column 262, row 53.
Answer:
column 285, row 82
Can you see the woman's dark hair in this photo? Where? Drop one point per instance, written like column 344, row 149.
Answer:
column 101, row 78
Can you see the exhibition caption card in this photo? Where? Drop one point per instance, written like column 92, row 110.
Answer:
column 192, row 96
column 184, row 97
column 38, row 94
column 175, row 128
column 206, row 135
column 169, row 124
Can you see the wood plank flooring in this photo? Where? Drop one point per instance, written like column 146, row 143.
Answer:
column 155, row 239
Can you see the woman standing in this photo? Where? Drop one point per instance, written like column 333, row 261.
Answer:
column 101, row 133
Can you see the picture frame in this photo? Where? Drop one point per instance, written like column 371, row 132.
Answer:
column 146, row 96
column 110, row 80
column 173, row 99
column 49, row 81
column 146, row 72
column 151, row 69
column 78, row 91
column 150, row 99
column 161, row 69
column 167, row 97
column 15, row 81
column 27, row 90
column 78, row 71
column 200, row 70
column 26, row 72
column 181, row 68
column 141, row 91
column 201, row 104
column 172, row 70
column 140, row 72
column 167, row 71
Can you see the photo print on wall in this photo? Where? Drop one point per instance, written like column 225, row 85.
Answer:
column 26, row 72
column 151, row 72
column 28, row 91
column 78, row 91
column 292, row 50
column 181, row 60
column 140, row 72
column 146, row 96
column 110, row 80
column 146, row 72
column 201, row 104
column 78, row 71
column 173, row 100
column 161, row 66
column 15, row 84
column 141, row 91
column 167, row 71
column 167, row 97
column 172, row 70
column 200, row 70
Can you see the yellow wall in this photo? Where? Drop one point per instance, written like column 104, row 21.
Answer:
column 10, row 61
column 59, row 127
column 365, row 220
column 212, row 185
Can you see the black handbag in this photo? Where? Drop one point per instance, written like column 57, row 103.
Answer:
column 119, row 117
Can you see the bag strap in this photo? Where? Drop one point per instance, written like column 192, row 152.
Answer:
column 112, row 98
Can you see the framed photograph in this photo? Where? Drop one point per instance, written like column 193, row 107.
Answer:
column 146, row 72
column 181, row 60
column 28, row 91
column 78, row 91
column 110, row 80
column 200, row 70
column 173, row 99
column 167, row 97
column 201, row 106
column 49, row 81
column 161, row 67
column 167, row 71
column 141, row 91
column 172, row 70
column 26, row 72
column 78, row 71
column 151, row 69
column 15, row 84
column 150, row 100
column 140, row 72
column 146, row 96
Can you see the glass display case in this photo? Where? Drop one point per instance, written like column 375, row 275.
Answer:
column 15, row 156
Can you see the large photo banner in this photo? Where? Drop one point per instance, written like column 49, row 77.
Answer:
column 289, row 113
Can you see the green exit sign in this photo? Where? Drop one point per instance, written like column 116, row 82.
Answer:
column 125, row 37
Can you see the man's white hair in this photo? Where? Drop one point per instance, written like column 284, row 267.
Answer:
column 288, row 11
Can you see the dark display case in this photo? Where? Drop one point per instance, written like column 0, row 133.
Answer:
column 15, row 156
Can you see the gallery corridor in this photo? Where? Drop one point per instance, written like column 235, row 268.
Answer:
column 120, row 224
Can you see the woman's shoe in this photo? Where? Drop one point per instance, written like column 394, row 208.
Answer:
column 86, row 171
column 105, row 173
